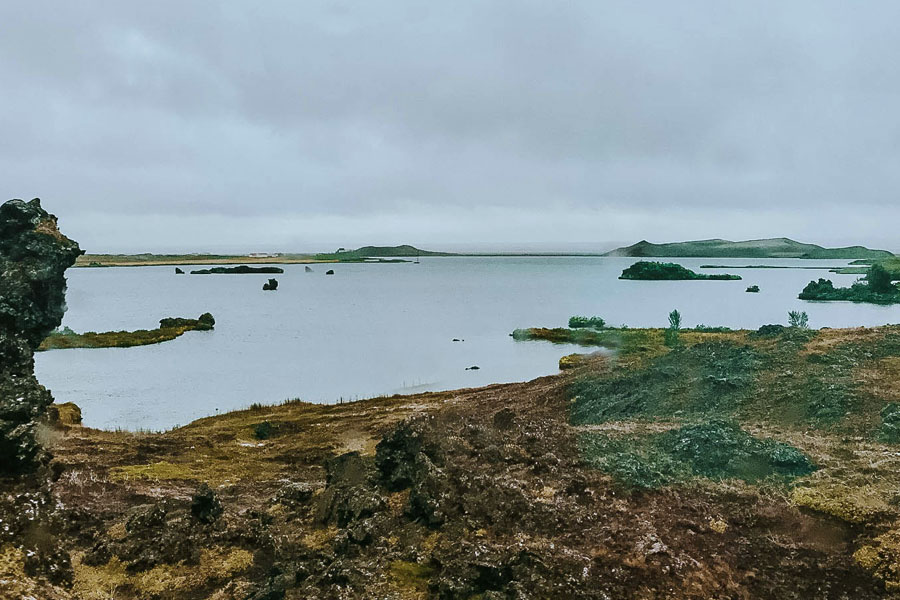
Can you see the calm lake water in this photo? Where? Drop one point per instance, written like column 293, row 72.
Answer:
column 375, row 329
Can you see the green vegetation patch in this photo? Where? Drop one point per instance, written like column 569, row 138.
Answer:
column 657, row 271
column 890, row 423
column 710, row 377
column 877, row 288
column 624, row 339
column 577, row 322
column 715, row 449
column 169, row 329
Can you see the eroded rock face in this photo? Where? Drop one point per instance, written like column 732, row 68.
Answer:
column 33, row 258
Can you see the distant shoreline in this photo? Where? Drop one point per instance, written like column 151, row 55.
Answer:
column 100, row 261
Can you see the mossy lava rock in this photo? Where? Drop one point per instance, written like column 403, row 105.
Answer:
column 34, row 256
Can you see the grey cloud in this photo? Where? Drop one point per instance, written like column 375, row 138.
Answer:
column 668, row 120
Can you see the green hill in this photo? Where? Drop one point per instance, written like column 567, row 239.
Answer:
column 768, row 248
column 403, row 251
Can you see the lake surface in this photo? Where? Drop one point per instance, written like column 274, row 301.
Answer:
column 374, row 329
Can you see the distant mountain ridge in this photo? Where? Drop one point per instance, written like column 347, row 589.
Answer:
column 765, row 248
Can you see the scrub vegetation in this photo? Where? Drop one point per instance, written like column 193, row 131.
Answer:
column 169, row 329
column 657, row 271
column 876, row 288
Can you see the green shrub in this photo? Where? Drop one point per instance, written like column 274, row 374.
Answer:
column 577, row 322
column 798, row 319
column 262, row 431
column 703, row 379
column 671, row 338
column 879, row 280
column 709, row 329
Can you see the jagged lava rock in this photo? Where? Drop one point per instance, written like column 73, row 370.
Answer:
column 33, row 258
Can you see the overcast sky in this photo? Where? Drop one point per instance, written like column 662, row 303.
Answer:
column 239, row 126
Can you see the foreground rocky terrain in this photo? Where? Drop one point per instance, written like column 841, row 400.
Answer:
column 512, row 491
column 730, row 465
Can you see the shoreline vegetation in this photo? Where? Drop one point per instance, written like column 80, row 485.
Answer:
column 169, row 329
column 877, row 287
column 659, row 271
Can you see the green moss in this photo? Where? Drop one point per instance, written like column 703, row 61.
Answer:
column 162, row 470
column 409, row 575
column 707, row 378
column 715, row 449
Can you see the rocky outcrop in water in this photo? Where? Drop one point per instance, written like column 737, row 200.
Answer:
column 240, row 270
column 270, row 285
column 33, row 258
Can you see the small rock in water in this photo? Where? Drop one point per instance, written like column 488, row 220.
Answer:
column 307, row 269
column 178, row 271
column 473, row 368
column 329, row 272
column 270, row 285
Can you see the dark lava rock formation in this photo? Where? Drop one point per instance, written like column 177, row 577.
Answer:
column 270, row 285
column 33, row 258
column 240, row 270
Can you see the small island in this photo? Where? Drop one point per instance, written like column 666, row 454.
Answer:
column 169, row 329
column 877, row 288
column 240, row 270
column 657, row 271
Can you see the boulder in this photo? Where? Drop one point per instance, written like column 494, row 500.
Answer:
column 178, row 271
column 270, row 285
column 307, row 269
column 34, row 256
column 206, row 506
column 329, row 272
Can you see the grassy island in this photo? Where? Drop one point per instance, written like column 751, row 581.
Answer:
column 658, row 271
column 169, row 329
column 239, row 270
column 877, row 288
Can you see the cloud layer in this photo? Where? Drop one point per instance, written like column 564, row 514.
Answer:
column 229, row 126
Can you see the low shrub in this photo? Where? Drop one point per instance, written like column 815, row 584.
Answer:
column 577, row 322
